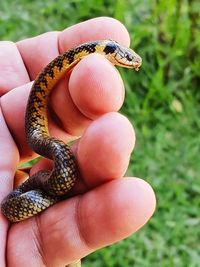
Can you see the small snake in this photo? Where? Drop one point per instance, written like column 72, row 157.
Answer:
column 45, row 188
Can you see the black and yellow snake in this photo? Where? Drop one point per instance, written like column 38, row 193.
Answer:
column 45, row 188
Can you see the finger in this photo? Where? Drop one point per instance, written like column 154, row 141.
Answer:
column 13, row 71
column 38, row 51
column 9, row 158
column 92, row 92
column 8, row 165
column 74, row 228
column 13, row 107
column 103, row 152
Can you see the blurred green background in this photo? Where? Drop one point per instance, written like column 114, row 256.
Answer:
column 162, row 102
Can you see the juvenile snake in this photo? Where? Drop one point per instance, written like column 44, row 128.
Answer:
column 45, row 188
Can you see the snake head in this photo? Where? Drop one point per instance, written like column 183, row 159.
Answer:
column 122, row 56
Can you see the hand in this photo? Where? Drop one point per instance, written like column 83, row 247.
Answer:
column 84, row 102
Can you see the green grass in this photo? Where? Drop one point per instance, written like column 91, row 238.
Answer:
column 162, row 102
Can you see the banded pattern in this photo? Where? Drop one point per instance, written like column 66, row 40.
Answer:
column 45, row 188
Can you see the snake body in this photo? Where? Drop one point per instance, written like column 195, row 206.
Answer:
column 45, row 188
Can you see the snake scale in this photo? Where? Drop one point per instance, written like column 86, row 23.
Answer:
column 45, row 188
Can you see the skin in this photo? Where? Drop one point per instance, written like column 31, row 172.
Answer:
column 103, row 208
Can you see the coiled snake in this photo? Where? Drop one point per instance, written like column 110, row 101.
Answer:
column 45, row 188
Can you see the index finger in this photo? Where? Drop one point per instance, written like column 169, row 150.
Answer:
column 38, row 51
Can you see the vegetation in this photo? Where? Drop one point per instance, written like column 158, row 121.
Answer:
column 162, row 102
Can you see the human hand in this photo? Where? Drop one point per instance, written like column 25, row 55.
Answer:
column 104, row 208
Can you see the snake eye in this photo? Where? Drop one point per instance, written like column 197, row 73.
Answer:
column 128, row 57
column 110, row 47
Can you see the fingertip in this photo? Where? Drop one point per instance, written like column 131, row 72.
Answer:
column 105, row 148
column 120, row 207
column 96, row 87
column 143, row 200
